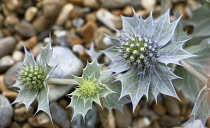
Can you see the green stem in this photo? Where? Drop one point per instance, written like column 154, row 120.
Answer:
column 194, row 72
column 61, row 81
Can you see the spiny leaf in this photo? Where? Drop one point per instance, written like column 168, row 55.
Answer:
column 46, row 54
column 112, row 101
column 89, row 90
column 201, row 108
column 173, row 53
column 92, row 53
column 26, row 96
column 28, row 59
column 162, row 81
column 134, row 85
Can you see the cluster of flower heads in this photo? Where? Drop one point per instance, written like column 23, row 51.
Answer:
column 138, row 51
column 32, row 77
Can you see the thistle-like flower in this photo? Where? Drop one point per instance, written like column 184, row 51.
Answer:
column 89, row 89
column 31, row 80
column 142, row 53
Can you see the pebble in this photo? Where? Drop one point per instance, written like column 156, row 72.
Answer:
column 1, row 20
column 127, row 11
column 30, row 13
column 78, row 22
column 107, row 117
column 59, row 115
column 31, row 42
column 145, row 111
column 148, row 4
column 101, row 42
column 41, row 23
column 90, row 120
column 17, row 56
column 26, row 125
column 159, row 109
column 123, row 119
column 62, row 38
column 88, row 31
column 141, row 123
column 14, row 125
column 78, row 48
column 172, row 106
column 108, row 18
column 13, row 4
column 168, row 121
column 51, row 9
column 5, row 63
column 20, row 114
column 41, row 120
column 25, row 29
column 63, row 16
column 5, row 111
column 91, row 3
column 112, row 4
column 68, row 65
column 7, row 45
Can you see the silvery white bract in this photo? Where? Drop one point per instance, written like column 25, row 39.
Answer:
column 142, row 53
column 31, row 80
column 89, row 90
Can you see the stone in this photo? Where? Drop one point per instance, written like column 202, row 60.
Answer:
column 148, row 4
column 168, row 121
column 13, row 4
column 145, row 111
column 17, row 56
column 78, row 22
column 107, row 117
column 78, row 48
column 62, row 38
column 127, row 11
column 51, row 9
column 41, row 23
column 90, row 120
column 20, row 113
column 88, row 31
column 100, row 41
column 108, row 19
column 172, row 106
column 63, row 16
column 123, row 119
column 112, row 4
column 59, row 115
column 30, row 13
column 90, row 17
column 25, row 29
column 41, row 120
column 14, row 125
column 91, row 3
column 159, row 109
column 31, row 42
column 26, row 125
column 5, row 63
column 68, row 65
column 141, row 123
column 7, row 45
column 5, row 111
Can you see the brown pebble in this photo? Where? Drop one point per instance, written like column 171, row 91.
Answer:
column 159, row 109
column 30, row 13
column 91, row 17
column 51, row 9
column 91, row 3
column 63, row 16
column 123, row 119
column 127, row 11
column 117, row 12
column 25, row 29
column 14, row 125
column 5, row 91
column 76, row 2
column 41, row 24
column 31, row 42
column 7, row 45
column 75, row 40
column 172, row 106
column 13, row 4
column 88, row 31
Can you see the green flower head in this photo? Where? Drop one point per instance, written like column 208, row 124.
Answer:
column 31, row 80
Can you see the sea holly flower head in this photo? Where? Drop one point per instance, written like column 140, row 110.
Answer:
column 89, row 90
column 142, row 53
column 31, row 80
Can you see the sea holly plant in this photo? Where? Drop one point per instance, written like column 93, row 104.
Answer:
column 32, row 79
column 142, row 53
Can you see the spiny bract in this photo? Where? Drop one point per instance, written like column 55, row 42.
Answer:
column 89, row 89
column 31, row 80
column 142, row 53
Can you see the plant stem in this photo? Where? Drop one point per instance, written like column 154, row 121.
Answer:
column 194, row 72
column 61, row 81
